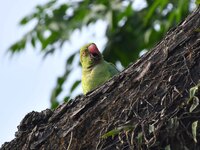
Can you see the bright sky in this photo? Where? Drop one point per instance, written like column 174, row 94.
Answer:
column 26, row 80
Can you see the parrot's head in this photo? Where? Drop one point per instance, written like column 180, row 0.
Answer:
column 90, row 55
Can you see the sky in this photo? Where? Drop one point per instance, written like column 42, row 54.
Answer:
column 26, row 79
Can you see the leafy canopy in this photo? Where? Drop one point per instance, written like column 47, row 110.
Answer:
column 130, row 29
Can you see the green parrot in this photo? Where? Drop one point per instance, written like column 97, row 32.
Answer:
column 95, row 70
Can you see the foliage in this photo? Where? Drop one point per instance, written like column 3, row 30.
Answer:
column 193, row 98
column 117, row 131
column 130, row 29
column 197, row 2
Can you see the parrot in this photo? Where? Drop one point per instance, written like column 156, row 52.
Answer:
column 95, row 70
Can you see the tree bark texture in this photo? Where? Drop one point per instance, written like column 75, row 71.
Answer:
column 149, row 105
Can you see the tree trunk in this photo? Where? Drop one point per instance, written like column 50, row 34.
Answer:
column 153, row 104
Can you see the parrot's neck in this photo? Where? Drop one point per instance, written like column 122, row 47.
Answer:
column 91, row 67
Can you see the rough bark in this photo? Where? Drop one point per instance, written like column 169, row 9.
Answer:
column 148, row 104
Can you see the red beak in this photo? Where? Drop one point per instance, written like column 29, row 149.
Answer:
column 93, row 49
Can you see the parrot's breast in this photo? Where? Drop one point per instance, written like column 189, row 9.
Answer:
column 99, row 74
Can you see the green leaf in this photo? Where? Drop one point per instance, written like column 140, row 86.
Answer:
column 17, row 47
column 195, row 103
column 197, row 2
column 25, row 20
column 60, row 80
column 49, row 51
column 197, row 30
column 167, row 147
column 174, row 123
column 117, row 131
column 33, row 41
column 147, row 35
column 139, row 137
column 58, row 90
column 151, row 11
column 74, row 86
column 70, row 59
column 111, row 133
column 193, row 91
column 67, row 99
column 194, row 130
column 54, row 104
column 151, row 128
column 193, row 97
column 60, row 12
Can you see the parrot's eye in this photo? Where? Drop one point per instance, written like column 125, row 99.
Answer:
column 84, row 53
